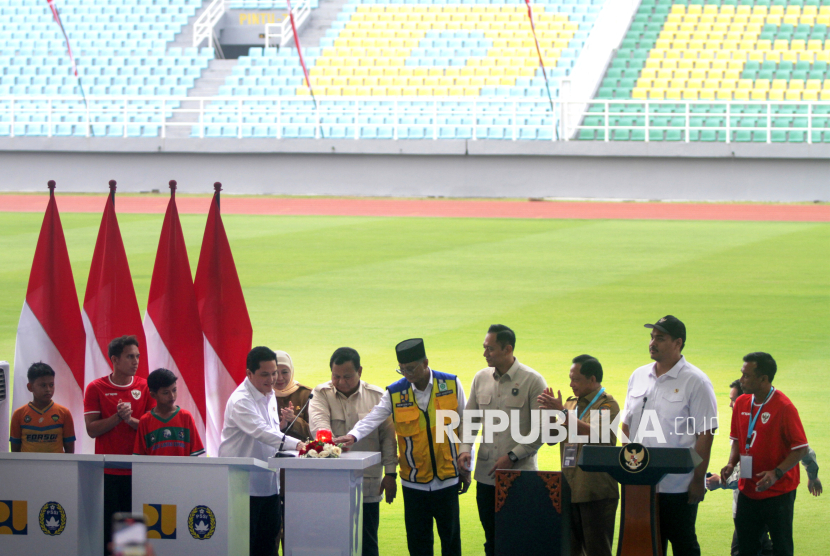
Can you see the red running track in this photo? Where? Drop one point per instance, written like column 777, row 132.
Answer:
column 431, row 208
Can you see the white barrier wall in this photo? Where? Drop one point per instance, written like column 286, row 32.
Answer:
column 579, row 169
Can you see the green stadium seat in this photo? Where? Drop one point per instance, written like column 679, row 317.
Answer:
column 621, row 135
column 759, row 136
column 638, row 135
column 655, row 134
column 779, row 136
column 708, row 135
column 674, row 135
column 742, row 136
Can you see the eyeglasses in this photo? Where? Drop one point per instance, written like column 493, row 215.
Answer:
column 405, row 372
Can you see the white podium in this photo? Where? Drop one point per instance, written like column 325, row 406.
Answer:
column 51, row 504
column 324, row 503
column 194, row 506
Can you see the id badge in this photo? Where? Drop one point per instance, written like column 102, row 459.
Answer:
column 569, row 456
column 746, row 467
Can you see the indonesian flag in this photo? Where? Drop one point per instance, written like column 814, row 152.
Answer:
column 50, row 328
column 110, row 307
column 174, row 335
column 225, row 322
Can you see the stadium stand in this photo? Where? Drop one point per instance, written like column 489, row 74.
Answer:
column 121, row 50
column 765, row 60
column 422, row 52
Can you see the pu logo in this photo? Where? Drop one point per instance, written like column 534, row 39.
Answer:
column 161, row 521
column 13, row 517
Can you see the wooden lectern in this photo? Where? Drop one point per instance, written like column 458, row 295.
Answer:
column 638, row 469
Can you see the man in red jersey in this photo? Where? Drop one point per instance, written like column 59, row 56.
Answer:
column 112, row 407
column 167, row 429
column 768, row 440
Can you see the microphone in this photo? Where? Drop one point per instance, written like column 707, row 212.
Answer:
column 640, row 420
column 280, row 453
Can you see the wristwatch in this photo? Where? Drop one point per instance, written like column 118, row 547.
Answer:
column 513, row 457
column 778, row 473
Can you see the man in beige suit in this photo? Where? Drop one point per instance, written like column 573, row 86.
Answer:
column 337, row 406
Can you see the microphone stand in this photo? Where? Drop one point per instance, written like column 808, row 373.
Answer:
column 280, row 453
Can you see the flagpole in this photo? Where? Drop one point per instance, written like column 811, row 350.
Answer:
column 542, row 64
column 112, row 192
column 217, row 187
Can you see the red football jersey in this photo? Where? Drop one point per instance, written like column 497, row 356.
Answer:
column 778, row 431
column 174, row 436
column 103, row 397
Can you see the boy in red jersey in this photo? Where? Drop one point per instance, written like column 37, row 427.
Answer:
column 769, row 441
column 42, row 425
column 112, row 407
column 167, row 429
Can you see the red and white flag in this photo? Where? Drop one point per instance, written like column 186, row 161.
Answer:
column 50, row 328
column 110, row 307
column 225, row 322
column 171, row 323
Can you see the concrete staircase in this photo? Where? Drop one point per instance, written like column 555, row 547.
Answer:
column 184, row 38
column 319, row 22
column 214, row 76
column 206, row 86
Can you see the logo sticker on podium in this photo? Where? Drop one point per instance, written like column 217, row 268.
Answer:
column 52, row 519
column 201, row 523
column 161, row 521
column 634, row 457
column 14, row 517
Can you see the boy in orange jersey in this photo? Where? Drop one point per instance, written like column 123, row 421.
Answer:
column 167, row 429
column 42, row 425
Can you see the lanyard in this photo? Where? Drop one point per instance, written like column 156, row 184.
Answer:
column 587, row 407
column 754, row 418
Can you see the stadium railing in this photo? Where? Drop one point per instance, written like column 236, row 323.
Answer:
column 700, row 121
column 506, row 118
column 511, row 118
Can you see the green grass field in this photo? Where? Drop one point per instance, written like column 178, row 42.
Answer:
column 313, row 284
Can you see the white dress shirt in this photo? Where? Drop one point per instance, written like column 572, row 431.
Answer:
column 685, row 406
column 383, row 410
column 252, row 430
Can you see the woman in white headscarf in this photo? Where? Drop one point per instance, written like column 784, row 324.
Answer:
column 291, row 397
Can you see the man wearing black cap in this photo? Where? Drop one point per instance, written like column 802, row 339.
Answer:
column 676, row 400
column 429, row 470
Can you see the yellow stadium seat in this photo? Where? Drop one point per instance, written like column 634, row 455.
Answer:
column 772, row 56
column 756, row 94
column 796, row 85
column 813, row 84
column 775, row 94
column 810, row 95
column 792, row 95
column 711, row 84
column 741, row 94
column 789, row 56
column 757, row 56
column 723, row 94
column 673, row 94
column 707, row 94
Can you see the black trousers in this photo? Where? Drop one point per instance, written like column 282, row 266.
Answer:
column 766, row 544
column 592, row 527
column 677, row 524
column 118, row 497
column 371, row 520
column 486, row 501
column 265, row 524
column 420, row 508
column 775, row 514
